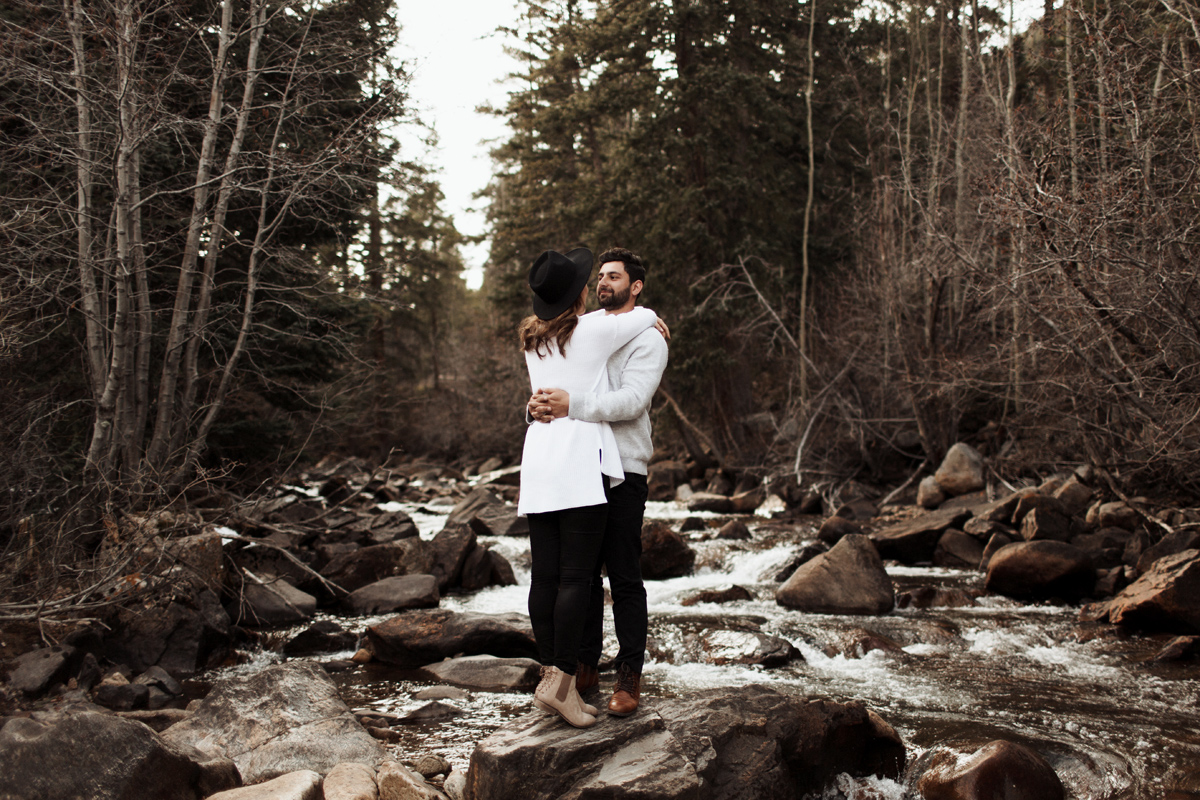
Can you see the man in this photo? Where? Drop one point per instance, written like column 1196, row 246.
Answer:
column 634, row 372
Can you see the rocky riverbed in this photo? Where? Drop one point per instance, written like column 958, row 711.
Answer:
column 363, row 635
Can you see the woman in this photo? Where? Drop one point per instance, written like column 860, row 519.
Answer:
column 565, row 465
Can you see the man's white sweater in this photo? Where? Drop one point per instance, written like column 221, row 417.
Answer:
column 634, row 372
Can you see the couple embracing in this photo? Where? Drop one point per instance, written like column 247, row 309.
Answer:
column 583, row 471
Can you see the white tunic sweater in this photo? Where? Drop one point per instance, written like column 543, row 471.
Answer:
column 563, row 463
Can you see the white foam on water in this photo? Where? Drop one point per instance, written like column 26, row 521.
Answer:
column 492, row 600
column 876, row 675
column 672, row 509
column 429, row 523
column 692, row 675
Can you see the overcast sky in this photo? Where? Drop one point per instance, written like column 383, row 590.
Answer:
column 456, row 58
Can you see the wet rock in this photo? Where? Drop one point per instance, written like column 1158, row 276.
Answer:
column 745, row 502
column 1174, row 542
column 351, row 571
column 272, row 602
column 1045, row 524
column 937, row 597
column 1107, row 545
column 122, row 696
column 478, row 499
column 397, row 780
column 1166, row 598
column 834, row 528
column 442, row 693
column 929, row 493
column 499, row 520
column 324, row 636
column 734, row 530
column 158, row 719
column 999, row 769
column 183, row 635
column 807, row 553
column 486, row 673
column 431, row 712
column 860, row 509
column 1039, row 570
column 1001, row 510
column 746, row 647
column 995, row 543
column 350, row 781
column 1028, row 503
column 664, row 553
column 1110, row 582
column 450, row 548
column 961, row 471
column 502, row 571
column 913, row 541
column 1178, row 649
column 477, row 569
column 690, row 524
column 417, row 638
column 709, row 501
column 103, row 757
column 38, row 670
column 300, row 785
column 849, row 579
column 394, row 594
column 957, row 549
column 744, row 742
column 857, row 642
column 983, row 529
column 285, row 718
column 429, row 765
column 730, row 595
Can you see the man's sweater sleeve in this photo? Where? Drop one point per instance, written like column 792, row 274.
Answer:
column 639, row 381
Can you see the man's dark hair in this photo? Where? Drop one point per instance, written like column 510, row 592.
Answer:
column 633, row 264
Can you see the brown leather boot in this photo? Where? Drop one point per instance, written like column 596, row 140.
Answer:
column 586, row 678
column 626, row 692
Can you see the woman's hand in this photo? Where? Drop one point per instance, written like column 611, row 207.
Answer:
column 662, row 328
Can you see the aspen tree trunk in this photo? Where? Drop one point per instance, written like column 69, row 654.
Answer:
column 962, row 233
column 1072, row 101
column 1018, row 239
column 158, row 451
column 808, row 203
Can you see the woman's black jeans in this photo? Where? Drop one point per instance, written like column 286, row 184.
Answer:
column 564, row 546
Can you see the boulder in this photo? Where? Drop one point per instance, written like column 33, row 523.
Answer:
column 300, row 785
column 735, row 530
column 749, row 741
column 961, row 471
column 999, row 769
column 1075, row 496
column 485, row 673
column 1045, row 524
column 849, row 579
column 450, row 548
column 476, row 569
column 272, row 602
column 417, row 638
column 1028, row 503
column 1169, row 545
column 835, row 527
column 285, row 718
column 499, row 520
column 103, row 757
column 429, row 765
column 664, row 553
column 957, row 549
column 354, row 570
column 1040, row 570
column 709, row 501
column 745, row 502
column 469, row 506
column 323, row 636
column 398, row 782
column 1166, row 598
column 1001, row 510
column 929, row 493
column 184, row 635
column 350, row 781
column 731, row 595
column 502, row 571
column 997, row 541
column 38, row 670
column 397, row 593
column 201, row 557
column 722, row 647
column 662, row 478
column 913, row 541
column 1113, row 515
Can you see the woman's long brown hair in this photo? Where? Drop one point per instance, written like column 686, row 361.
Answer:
column 538, row 333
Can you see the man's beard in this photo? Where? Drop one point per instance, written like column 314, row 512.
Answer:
column 613, row 299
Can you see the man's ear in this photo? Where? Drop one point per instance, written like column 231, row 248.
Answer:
column 635, row 288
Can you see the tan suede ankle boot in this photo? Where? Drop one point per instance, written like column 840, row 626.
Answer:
column 556, row 693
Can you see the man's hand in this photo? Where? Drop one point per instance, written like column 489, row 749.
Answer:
column 662, row 328
column 548, row 404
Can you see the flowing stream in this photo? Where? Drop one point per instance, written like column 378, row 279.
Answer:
column 1111, row 722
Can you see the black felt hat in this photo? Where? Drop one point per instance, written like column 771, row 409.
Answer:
column 557, row 280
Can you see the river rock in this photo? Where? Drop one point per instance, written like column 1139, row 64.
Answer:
column 734, row 530
column 1045, row 524
column 201, row 555
column 664, row 553
column 486, row 673
column 745, row 742
column 477, row 569
column 1035, row 501
column 995, row 543
column 662, row 477
column 351, row 781
column 38, row 670
column 450, row 548
column 103, row 757
column 834, row 528
column 182, row 635
column 431, row 764
column 478, row 498
column 913, row 541
column 1075, row 496
column 398, row 782
column 1113, row 515
column 849, row 579
column 722, row 647
column 1174, row 542
column 1106, row 546
column 499, row 520
column 417, row 638
column 999, row 769
column 1167, row 597
column 272, row 602
column 957, row 549
column 323, row 636
column 929, row 493
column 287, row 717
column 730, row 595
column 709, row 501
column 961, row 471
column 299, row 785
column 394, row 594
column 354, row 570
column 1041, row 569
